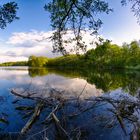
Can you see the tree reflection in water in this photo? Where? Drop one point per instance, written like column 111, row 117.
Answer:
column 107, row 80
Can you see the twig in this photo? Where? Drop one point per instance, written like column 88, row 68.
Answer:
column 57, row 122
column 53, row 111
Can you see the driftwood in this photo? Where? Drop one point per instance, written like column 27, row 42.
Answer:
column 48, row 102
column 60, row 128
column 121, row 109
column 34, row 117
column 53, row 111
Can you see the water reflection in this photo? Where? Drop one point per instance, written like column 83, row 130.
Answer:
column 68, row 104
column 107, row 80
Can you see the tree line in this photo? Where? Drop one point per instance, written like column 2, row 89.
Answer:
column 19, row 63
column 105, row 55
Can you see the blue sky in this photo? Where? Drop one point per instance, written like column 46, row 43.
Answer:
column 32, row 16
column 17, row 41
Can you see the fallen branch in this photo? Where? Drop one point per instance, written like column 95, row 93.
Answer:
column 60, row 128
column 53, row 111
column 33, row 118
column 32, row 98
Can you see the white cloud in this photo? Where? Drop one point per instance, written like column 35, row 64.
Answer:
column 5, row 58
column 28, row 38
column 21, row 45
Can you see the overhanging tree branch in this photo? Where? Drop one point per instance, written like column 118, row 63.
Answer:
column 74, row 15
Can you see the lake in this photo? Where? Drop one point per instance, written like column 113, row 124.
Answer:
column 73, row 92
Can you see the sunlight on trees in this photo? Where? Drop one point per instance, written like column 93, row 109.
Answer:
column 37, row 61
column 105, row 55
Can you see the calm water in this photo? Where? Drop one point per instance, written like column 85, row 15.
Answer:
column 83, row 84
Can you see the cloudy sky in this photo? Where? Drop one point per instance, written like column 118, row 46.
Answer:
column 21, row 38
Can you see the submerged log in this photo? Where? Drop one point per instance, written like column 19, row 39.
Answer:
column 53, row 111
column 34, row 117
column 61, row 130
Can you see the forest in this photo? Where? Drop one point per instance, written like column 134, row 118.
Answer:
column 105, row 55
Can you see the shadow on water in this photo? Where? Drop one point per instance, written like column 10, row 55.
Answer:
column 57, row 116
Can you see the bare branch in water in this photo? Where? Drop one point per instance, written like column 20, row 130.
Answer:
column 121, row 110
column 36, row 114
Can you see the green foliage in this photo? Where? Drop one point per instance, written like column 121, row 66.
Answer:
column 114, row 56
column 37, row 61
column 8, row 14
column 105, row 55
column 74, row 15
column 68, row 61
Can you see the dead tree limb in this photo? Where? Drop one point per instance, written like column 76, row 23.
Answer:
column 53, row 111
column 60, row 128
column 34, row 117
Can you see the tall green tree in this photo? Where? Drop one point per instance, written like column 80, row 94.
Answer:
column 37, row 61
